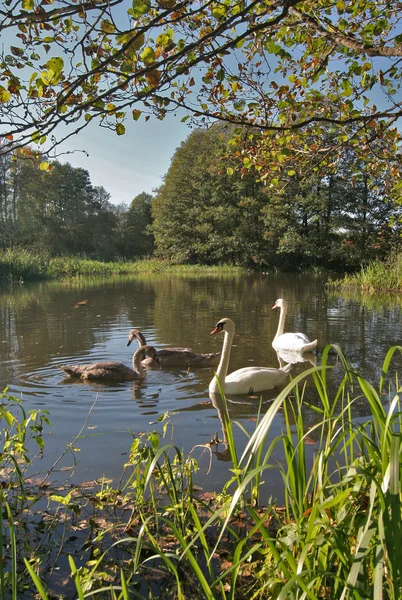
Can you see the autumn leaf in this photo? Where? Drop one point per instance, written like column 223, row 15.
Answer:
column 5, row 95
column 153, row 77
column 166, row 3
column 120, row 129
column 107, row 26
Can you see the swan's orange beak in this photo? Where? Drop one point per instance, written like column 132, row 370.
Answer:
column 275, row 305
column 217, row 329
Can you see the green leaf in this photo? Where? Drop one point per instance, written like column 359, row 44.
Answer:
column 140, row 7
column 120, row 129
column 148, row 55
column 136, row 114
column 55, row 64
column 28, row 4
column 219, row 11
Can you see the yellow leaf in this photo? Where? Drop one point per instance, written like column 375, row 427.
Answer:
column 107, row 26
column 44, row 166
column 138, row 42
column 5, row 95
column 148, row 55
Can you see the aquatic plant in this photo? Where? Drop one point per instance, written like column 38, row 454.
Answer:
column 23, row 265
column 376, row 276
column 157, row 535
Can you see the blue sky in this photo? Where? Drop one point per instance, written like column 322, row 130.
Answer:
column 129, row 164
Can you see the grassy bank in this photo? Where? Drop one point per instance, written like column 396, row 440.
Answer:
column 377, row 276
column 22, row 265
column 157, row 535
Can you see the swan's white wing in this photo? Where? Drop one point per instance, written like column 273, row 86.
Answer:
column 298, row 342
column 255, row 379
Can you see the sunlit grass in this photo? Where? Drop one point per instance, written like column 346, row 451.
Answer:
column 23, row 265
column 377, row 276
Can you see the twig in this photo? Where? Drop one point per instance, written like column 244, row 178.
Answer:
column 68, row 447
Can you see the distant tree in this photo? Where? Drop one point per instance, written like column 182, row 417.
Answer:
column 138, row 238
column 340, row 220
column 56, row 210
column 204, row 214
column 102, row 235
column 7, row 203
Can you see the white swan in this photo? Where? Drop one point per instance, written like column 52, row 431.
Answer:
column 248, row 379
column 296, row 342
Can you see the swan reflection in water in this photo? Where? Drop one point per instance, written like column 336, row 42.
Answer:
column 292, row 357
column 237, row 408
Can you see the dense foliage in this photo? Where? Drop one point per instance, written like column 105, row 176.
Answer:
column 208, row 211
column 57, row 211
column 292, row 70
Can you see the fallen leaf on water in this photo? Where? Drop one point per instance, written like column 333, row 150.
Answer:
column 80, row 303
column 309, row 441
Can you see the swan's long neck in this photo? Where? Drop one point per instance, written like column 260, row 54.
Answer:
column 137, row 365
column 222, row 369
column 281, row 324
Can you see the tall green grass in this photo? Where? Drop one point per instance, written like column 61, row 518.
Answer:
column 377, row 276
column 338, row 535
column 23, row 265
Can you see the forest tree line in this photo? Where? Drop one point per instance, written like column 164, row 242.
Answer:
column 208, row 211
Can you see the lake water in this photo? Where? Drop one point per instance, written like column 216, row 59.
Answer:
column 43, row 327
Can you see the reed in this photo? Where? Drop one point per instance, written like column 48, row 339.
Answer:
column 17, row 266
column 376, row 276
column 22, row 265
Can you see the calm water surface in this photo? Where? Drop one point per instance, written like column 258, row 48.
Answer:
column 42, row 327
